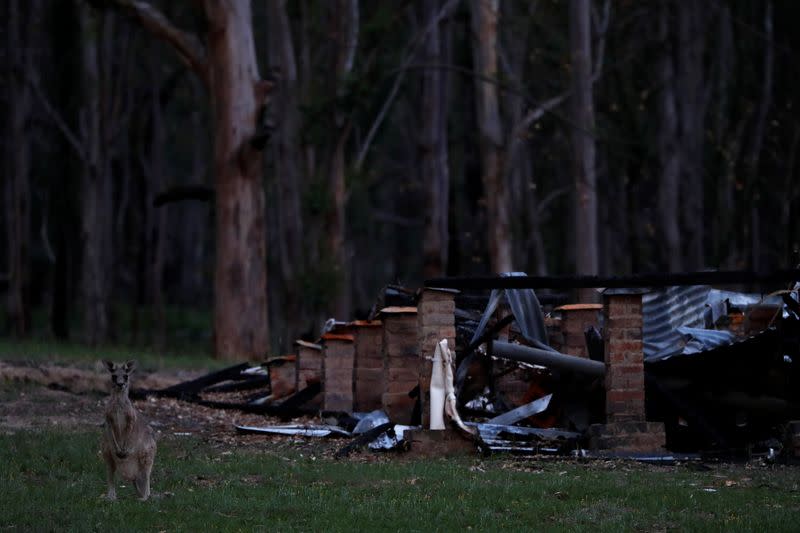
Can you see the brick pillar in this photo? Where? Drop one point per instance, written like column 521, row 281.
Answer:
column 400, row 362
column 337, row 372
column 435, row 321
column 626, row 429
column 624, row 356
column 309, row 366
column 575, row 319
column 368, row 365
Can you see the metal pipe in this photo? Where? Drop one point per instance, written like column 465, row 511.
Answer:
column 537, row 356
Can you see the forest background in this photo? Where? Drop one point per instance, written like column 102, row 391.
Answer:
column 232, row 173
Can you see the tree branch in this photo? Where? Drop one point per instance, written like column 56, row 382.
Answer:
column 400, row 75
column 186, row 44
column 58, row 120
column 523, row 125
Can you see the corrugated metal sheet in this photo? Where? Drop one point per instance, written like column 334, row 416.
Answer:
column 680, row 320
column 664, row 311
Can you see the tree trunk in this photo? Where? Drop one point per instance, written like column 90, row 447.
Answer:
column 240, row 307
column 96, row 186
column 582, row 113
column 156, row 226
column 345, row 32
column 691, row 33
column 17, row 186
column 757, row 142
column 484, row 17
column 228, row 67
column 668, row 156
column 728, row 134
column 194, row 219
column 433, row 160
column 285, row 153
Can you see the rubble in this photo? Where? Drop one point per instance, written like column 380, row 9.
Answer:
column 596, row 380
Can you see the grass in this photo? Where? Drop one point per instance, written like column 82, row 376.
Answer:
column 52, row 482
column 68, row 352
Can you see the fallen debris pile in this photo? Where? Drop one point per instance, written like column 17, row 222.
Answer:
column 585, row 380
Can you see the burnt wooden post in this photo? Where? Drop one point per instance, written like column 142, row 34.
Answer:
column 435, row 321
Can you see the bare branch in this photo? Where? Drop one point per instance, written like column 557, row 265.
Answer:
column 550, row 198
column 58, row 120
column 523, row 125
column 352, row 38
column 601, row 28
column 400, row 72
column 186, row 44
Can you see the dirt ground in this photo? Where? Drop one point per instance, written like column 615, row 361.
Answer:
column 63, row 398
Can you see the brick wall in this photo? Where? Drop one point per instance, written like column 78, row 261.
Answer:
column 435, row 321
column 575, row 319
column 624, row 358
column 368, row 365
column 400, row 362
column 337, row 371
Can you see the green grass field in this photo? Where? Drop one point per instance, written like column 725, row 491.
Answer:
column 78, row 354
column 52, row 482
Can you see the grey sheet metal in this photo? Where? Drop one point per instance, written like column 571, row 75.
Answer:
column 524, row 439
column 692, row 341
column 526, row 309
column 523, row 411
column 666, row 310
column 680, row 320
column 300, row 430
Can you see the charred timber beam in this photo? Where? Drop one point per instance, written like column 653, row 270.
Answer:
column 193, row 387
column 238, row 386
column 617, row 282
column 537, row 356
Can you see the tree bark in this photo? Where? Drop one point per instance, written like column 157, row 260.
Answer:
column 582, row 114
column 757, row 142
column 195, row 216
column 18, row 164
column 433, row 158
column 485, row 19
column 240, row 306
column 668, row 156
column 156, row 225
column 345, row 32
column 285, row 146
column 691, row 104
column 229, row 69
column 96, row 186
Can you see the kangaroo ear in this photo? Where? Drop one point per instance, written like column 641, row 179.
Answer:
column 130, row 366
column 109, row 365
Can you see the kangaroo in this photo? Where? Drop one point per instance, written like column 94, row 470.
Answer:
column 128, row 445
